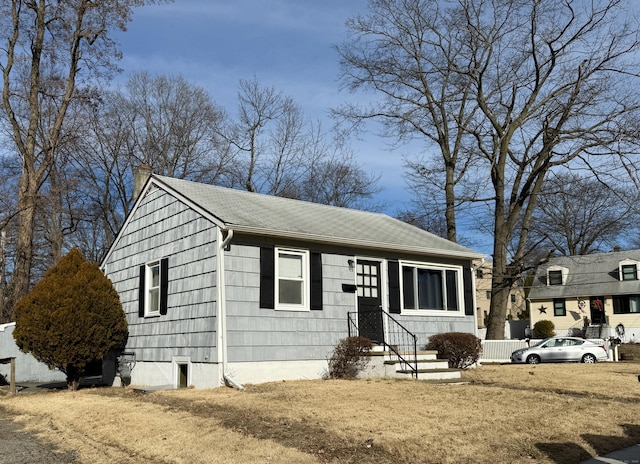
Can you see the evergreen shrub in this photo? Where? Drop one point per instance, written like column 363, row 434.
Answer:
column 543, row 329
column 71, row 318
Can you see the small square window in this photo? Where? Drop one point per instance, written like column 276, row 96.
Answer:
column 555, row 277
column 629, row 272
column 488, row 293
column 513, row 298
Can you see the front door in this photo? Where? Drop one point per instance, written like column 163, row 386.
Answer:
column 597, row 310
column 368, row 280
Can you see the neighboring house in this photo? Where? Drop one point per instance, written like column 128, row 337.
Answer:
column 224, row 285
column 598, row 292
column 517, row 301
column 28, row 369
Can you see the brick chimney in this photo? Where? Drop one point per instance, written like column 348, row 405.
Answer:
column 140, row 177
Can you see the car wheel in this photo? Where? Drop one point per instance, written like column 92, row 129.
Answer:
column 588, row 358
column 533, row 359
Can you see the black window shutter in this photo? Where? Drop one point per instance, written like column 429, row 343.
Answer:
column 164, row 284
column 141, row 291
column 468, row 291
column 394, row 287
column 408, row 287
column 267, row 276
column 316, row 281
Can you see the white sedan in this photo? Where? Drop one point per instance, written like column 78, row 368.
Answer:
column 561, row 349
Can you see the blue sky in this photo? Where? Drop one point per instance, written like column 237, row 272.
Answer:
column 286, row 44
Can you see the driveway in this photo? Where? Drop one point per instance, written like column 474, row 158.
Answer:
column 20, row 447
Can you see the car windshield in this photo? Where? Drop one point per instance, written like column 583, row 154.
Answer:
column 539, row 343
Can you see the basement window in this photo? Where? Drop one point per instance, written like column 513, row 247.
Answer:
column 183, row 375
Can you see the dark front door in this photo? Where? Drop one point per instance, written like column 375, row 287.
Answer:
column 597, row 310
column 368, row 281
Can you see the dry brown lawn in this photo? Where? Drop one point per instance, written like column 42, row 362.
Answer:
column 505, row 414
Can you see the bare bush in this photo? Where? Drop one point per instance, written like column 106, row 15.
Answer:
column 460, row 349
column 349, row 357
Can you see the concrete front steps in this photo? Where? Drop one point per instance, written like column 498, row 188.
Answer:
column 382, row 364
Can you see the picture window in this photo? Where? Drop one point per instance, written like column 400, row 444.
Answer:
column 430, row 288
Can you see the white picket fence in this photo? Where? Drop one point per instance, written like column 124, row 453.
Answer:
column 500, row 350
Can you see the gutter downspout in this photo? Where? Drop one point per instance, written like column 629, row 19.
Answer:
column 221, row 316
column 475, row 303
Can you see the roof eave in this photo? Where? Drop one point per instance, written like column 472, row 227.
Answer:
column 366, row 244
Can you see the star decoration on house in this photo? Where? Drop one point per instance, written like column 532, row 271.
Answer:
column 542, row 310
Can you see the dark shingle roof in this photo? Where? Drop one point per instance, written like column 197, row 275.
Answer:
column 588, row 275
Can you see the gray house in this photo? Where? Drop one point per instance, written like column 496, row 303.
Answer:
column 224, row 285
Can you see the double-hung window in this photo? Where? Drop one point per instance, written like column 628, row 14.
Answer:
column 292, row 279
column 629, row 272
column 431, row 288
column 152, row 296
column 559, row 307
column 153, row 289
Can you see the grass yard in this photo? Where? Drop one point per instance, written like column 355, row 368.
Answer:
column 505, row 414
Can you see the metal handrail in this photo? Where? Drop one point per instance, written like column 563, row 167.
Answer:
column 402, row 343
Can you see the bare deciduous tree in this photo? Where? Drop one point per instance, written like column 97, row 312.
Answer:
column 166, row 122
column 408, row 52
column 259, row 109
column 176, row 127
column 531, row 86
column 578, row 215
column 282, row 154
column 49, row 50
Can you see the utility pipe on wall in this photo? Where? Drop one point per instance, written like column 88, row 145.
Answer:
column 221, row 317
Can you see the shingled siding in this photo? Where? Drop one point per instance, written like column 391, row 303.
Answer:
column 425, row 326
column 258, row 334
column 163, row 227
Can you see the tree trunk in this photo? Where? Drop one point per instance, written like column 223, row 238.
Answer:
column 73, row 384
column 27, row 200
column 56, row 232
column 5, row 315
column 450, row 199
column 73, row 378
column 500, row 283
column 500, row 290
